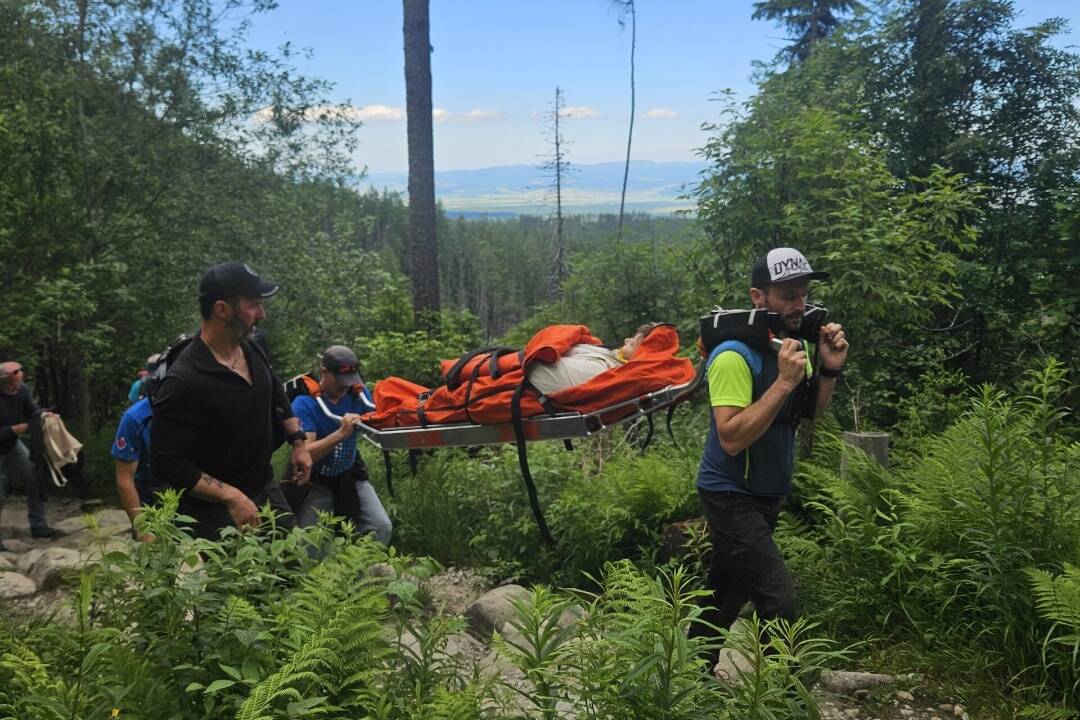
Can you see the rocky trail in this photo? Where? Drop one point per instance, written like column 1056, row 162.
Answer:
column 32, row 570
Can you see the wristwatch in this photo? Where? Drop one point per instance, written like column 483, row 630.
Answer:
column 295, row 436
column 828, row 372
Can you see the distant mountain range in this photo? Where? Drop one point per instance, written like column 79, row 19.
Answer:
column 507, row 190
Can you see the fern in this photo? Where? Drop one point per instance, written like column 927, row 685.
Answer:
column 332, row 621
column 1058, row 600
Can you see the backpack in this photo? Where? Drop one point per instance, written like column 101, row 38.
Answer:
column 165, row 359
column 755, row 327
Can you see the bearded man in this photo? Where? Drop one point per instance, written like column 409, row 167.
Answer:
column 220, row 408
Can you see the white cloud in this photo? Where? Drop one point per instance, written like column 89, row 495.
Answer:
column 481, row 114
column 475, row 115
column 379, row 112
column 579, row 111
column 343, row 112
column 665, row 113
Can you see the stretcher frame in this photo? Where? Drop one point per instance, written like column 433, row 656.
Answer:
column 558, row 426
column 564, row 426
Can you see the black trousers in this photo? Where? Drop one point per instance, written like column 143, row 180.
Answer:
column 211, row 517
column 746, row 564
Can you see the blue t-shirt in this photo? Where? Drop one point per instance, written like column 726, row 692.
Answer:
column 314, row 420
column 132, row 442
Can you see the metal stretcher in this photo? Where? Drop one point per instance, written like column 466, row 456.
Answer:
column 549, row 426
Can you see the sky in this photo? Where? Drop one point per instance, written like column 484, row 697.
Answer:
column 496, row 64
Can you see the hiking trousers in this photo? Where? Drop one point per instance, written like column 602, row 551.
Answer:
column 17, row 464
column 746, row 564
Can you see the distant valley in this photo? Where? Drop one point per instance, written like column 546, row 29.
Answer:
column 508, row 190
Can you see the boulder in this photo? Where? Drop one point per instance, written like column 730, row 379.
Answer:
column 491, row 610
column 51, row 566
column 15, row 585
column 16, row 546
column 28, row 558
column 7, row 562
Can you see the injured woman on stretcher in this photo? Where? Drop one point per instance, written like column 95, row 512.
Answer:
column 563, row 368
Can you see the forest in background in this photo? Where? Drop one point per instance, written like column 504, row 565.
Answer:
column 925, row 152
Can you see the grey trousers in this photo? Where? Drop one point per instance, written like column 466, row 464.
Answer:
column 17, row 464
column 372, row 515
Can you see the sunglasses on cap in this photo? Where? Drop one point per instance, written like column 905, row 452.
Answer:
column 346, row 369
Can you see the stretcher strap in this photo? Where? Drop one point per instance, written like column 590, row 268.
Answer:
column 493, row 367
column 523, row 461
column 671, row 433
column 389, row 466
column 649, row 435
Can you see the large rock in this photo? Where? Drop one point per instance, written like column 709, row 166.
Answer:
column 28, row 558
column 15, row 585
column 92, row 553
column 454, row 589
column 846, row 683
column 51, row 566
column 7, row 561
column 110, row 521
column 493, row 609
column 16, row 546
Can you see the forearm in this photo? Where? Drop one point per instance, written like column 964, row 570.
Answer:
column 322, row 447
column 214, row 490
column 826, row 387
column 125, row 487
column 743, row 429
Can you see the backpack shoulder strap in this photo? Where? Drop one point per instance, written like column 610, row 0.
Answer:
column 751, row 356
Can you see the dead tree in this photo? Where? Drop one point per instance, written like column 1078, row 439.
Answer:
column 556, row 166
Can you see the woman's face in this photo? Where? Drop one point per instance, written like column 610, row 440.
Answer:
column 631, row 344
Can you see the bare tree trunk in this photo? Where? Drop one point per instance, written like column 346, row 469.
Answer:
column 423, row 247
column 630, row 8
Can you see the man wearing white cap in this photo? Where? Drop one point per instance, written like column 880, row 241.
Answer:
column 748, row 460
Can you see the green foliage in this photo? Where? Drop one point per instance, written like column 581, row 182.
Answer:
column 941, row 549
column 784, row 661
column 926, row 154
column 1058, row 601
column 602, row 502
column 415, row 355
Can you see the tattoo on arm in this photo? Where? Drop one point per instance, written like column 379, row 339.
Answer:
column 212, row 481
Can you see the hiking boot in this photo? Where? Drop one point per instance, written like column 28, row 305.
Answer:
column 48, row 533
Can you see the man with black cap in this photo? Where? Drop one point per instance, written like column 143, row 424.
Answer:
column 749, row 455
column 339, row 479
column 216, row 410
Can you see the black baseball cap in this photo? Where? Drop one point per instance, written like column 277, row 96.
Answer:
column 234, row 279
column 342, row 362
column 781, row 265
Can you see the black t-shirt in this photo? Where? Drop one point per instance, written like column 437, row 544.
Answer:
column 14, row 409
column 208, row 419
